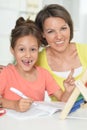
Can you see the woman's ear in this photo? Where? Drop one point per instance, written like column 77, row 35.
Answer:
column 43, row 35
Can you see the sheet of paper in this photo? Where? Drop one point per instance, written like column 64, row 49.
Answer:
column 37, row 109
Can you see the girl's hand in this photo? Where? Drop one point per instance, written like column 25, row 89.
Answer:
column 23, row 105
column 69, row 82
column 1, row 67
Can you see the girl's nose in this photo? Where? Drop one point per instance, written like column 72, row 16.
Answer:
column 28, row 54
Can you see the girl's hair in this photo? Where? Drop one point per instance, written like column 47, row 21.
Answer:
column 24, row 28
column 53, row 10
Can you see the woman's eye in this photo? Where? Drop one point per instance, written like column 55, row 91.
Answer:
column 50, row 31
column 63, row 28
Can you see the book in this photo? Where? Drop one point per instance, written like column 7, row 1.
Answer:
column 38, row 109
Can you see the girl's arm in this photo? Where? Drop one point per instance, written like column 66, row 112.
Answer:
column 18, row 105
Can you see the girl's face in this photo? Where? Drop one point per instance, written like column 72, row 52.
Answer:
column 26, row 53
column 57, row 33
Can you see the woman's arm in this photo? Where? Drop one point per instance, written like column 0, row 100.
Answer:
column 69, row 87
column 62, row 96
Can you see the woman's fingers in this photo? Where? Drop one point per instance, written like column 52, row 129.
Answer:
column 70, row 76
column 69, row 82
column 71, row 73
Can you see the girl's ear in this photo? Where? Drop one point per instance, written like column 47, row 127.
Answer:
column 12, row 51
column 43, row 35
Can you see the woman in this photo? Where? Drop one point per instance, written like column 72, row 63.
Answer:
column 60, row 55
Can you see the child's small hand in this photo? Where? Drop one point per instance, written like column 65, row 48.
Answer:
column 69, row 83
column 23, row 105
column 1, row 67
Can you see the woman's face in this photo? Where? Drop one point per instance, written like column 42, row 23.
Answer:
column 57, row 33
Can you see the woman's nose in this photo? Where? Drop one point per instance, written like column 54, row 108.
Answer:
column 58, row 35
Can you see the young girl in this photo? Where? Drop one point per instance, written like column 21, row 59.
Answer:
column 25, row 76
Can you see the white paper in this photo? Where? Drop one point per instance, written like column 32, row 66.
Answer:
column 37, row 109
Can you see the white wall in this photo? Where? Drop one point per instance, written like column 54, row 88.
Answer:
column 83, row 21
column 78, row 11
column 10, row 10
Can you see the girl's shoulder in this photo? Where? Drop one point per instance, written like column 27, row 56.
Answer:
column 8, row 70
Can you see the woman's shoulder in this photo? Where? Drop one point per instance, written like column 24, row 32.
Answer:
column 79, row 46
column 41, row 56
column 42, row 51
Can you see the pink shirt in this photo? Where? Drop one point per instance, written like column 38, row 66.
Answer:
column 9, row 77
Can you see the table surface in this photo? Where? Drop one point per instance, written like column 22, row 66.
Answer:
column 42, row 123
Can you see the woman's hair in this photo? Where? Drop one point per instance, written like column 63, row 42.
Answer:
column 53, row 10
column 24, row 28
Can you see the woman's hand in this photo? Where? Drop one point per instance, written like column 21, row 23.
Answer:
column 23, row 105
column 69, row 83
column 69, row 86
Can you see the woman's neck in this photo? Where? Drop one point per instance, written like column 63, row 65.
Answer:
column 65, row 60
column 61, row 54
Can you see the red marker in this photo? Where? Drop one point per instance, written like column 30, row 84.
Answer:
column 2, row 111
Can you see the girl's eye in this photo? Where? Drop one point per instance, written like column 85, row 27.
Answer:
column 34, row 49
column 21, row 49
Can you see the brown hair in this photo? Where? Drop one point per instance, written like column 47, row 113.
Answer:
column 53, row 10
column 23, row 28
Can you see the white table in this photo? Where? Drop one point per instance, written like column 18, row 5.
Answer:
column 42, row 123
